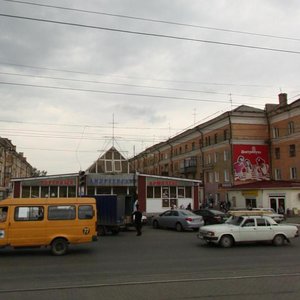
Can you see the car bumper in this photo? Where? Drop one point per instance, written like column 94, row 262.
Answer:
column 194, row 225
column 207, row 238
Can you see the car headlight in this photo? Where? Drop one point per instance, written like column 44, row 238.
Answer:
column 210, row 233
column 207, row 233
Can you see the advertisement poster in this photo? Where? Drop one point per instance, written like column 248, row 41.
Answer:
column 251, row 162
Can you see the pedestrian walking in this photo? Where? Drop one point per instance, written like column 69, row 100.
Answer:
column 137, row 217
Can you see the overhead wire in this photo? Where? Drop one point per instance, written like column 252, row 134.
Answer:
column 131, row 85
column 160, row 97
column 131, row 77
column 153, row 20
column 140, row 33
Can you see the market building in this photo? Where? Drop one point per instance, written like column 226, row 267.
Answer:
column 109, row 175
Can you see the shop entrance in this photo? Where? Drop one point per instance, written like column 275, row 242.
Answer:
column 277, row 202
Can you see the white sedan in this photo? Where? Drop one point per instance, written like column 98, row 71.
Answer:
column 248, row 229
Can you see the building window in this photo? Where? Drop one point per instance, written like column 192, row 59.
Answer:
column 186, row 148
column 208, row 159
column 277, row 153
column 210, row 177
column 275, row 132
column 217, row 177
column 293, row 173
column 216, row 138
column 226, row 134
column 226, row 155
column 292, row 150
column 226, row 176
column 108, row 166
column 193, row 146
column 291, row 127
column 277, row 174
column 216, row 157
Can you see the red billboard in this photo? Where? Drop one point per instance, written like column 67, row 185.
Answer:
column 251, row 162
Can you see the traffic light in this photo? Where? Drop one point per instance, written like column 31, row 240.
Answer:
column 82, row 179
column 81, row 183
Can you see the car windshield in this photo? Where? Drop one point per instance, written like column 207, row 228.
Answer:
column 235, row 220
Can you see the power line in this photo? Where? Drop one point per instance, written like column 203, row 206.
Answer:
column 153, row 20
column 132, row 85
column 131, row 77
column 150, row 34
column 81, row 125
column 120, row 93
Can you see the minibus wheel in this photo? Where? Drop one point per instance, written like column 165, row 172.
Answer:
column 59, row 246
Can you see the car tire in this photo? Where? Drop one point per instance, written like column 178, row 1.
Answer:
column 278, row 240
column 178, row 227
column 226, row 241
column 155, row 224
column 59, row 246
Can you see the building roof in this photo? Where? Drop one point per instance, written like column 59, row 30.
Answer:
column 267, row 184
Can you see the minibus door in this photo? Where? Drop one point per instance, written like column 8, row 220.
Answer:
column 3, row 225
column 27, row 226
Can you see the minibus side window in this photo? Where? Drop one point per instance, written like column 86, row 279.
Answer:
column 61, row 212
column 85, row 212
column 29, row 213
column 3, row 213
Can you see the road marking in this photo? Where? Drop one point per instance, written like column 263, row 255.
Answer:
column 170, row 281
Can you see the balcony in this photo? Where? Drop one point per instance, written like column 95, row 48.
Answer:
column 189, row 165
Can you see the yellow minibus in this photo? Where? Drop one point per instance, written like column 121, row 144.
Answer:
column 54, row 222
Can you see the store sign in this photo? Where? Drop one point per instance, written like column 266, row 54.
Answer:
column 251, row 162
column 166, row 182
column 250, row 193
column 64, row 181
column 110, row 180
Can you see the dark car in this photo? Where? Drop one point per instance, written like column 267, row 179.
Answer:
column 211, row 216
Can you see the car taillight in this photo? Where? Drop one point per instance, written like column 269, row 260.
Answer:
column 189, row 219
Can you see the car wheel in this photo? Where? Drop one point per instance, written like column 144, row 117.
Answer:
column 59, row 246
column 155, row 224
column 226, row 241
column 278, row 240
column 178, row 227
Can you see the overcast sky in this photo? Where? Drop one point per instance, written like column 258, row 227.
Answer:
column 154, row 67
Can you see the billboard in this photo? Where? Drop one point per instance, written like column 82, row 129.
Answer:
column 251, row 163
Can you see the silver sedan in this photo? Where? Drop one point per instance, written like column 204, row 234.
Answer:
column 179, row 219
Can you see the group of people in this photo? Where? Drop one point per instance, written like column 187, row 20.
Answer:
column 189, row 206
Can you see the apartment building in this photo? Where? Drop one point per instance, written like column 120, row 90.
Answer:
column 240, row 146
column 12, row 164
column 284, row 122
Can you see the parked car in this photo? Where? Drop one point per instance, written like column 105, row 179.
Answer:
column 211, row 216
column 258, row 211
column 248, row 229
column 271, row 213
column 179, row 219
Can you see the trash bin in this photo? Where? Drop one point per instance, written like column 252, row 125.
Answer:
column 295, row 211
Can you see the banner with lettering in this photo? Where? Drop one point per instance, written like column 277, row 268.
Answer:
column 251, row 163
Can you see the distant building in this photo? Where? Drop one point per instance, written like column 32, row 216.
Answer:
column 12, row 164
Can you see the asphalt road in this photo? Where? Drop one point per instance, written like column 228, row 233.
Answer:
column 161, row 264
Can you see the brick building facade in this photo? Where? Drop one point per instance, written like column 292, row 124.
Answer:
column 12, row 164
column 240, row 146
